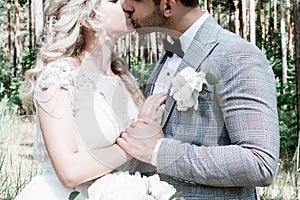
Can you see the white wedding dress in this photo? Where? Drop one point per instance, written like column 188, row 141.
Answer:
column 102, row 109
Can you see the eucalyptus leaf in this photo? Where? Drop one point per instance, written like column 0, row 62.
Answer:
column 211, row 79
column 174, row 196
column 75, row 195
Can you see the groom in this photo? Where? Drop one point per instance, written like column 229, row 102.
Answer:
column 227, row 143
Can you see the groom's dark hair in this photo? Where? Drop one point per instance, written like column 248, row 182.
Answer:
column 188, row 3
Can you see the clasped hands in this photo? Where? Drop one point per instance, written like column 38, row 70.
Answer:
column 140, row 139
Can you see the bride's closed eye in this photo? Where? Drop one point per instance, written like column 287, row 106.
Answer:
column 114, row 1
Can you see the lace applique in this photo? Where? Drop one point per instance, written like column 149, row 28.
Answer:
column 55, row 85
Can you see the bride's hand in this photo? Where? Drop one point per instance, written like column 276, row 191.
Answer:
column 153, row 108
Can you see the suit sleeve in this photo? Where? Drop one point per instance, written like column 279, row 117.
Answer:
column 246, row 97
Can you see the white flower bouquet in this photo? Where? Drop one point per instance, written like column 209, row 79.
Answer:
column 186, row 86
column 122, row 185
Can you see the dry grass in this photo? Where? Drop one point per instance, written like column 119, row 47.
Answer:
column 16, row 164
column 282, row 188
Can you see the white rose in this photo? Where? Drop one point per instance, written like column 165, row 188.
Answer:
column 118, row 186
column 159, row 190
column 162, row 190
column 186, row 86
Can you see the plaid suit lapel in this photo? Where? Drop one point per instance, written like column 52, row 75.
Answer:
column 200, row 48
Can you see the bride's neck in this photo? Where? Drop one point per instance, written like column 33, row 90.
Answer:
column 101, row 54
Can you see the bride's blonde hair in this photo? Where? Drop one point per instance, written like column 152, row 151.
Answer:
column 63, row 38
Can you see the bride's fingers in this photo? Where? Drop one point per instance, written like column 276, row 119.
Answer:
column 124, row 136
column 122, row 143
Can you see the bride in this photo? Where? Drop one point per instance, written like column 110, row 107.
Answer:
column 84, row 98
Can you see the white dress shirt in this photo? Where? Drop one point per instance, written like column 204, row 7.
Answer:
column 170, row 66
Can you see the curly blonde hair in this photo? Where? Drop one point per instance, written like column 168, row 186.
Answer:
column 63, row 38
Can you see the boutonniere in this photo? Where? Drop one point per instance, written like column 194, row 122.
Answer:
column 186, row 86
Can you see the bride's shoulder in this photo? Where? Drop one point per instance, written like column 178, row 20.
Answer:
column 62, row 71
column 64, row 65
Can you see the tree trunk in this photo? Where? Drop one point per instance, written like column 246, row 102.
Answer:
column 275, row 15
column 219, row 12
column 227, row 15
column 141, row 51
column 9, row 43
column 244, row 16
column 271, row 25
column 297, row 65
column 283, row 43
column 265, row 24
column 232, row 18
column 241, row 25
column 17, row 45
column 153, row 48
column 290, row 28
column 236, row 14
column 252, row 22
column 30, row 24
column 258, row 30
column 135, row 40
column 39, row 20
column 209, row 7
column 127, row 46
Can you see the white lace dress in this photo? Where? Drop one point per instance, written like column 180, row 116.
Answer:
column 102, row 109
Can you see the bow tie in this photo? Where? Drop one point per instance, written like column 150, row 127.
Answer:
column 173, row 48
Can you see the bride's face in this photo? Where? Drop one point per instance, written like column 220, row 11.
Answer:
column 116, row 22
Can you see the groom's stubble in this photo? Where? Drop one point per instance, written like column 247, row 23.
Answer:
column 151, row 22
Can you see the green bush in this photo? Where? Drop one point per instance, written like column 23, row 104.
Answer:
column 11, row 78
column 286, row 95
column 141, row 73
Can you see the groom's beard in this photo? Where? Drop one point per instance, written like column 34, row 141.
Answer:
column 151, row 23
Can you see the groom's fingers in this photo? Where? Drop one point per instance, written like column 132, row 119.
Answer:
column 144, row 130
column 153, row 102
column 135, row 147
column 158, row 116
column 126, row 142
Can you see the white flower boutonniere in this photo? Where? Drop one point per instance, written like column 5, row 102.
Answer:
column 186, row 86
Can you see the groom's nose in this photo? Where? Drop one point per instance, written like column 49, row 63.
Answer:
column 127, row 7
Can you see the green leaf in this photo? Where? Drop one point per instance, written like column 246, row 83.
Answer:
column 174, row 196
column 75, row 195
column 211, row 79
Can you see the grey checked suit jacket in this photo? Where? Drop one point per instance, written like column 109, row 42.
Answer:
column 230, row 144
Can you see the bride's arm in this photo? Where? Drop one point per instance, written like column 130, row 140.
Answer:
column 72, row 166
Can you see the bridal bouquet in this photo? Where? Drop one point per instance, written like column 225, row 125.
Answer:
column 122, row 185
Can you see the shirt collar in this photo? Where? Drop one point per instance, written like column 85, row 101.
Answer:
column 187, row 37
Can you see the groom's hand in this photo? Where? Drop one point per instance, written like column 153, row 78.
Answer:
column 139, row 140
column 153, row 108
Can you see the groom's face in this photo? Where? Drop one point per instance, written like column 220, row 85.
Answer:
column 144, row 13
